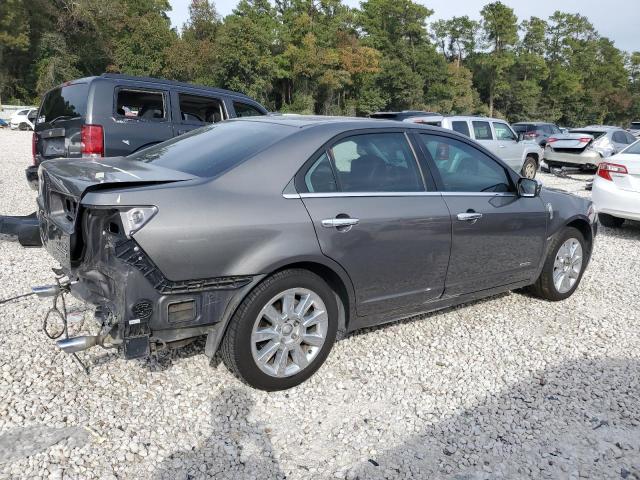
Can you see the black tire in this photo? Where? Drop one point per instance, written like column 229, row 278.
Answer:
column 529, row 167
column 544, row 286
column 610, row 221
column 236, row 346
column 23, row 127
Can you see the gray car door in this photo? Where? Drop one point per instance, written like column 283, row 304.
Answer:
column 497, row 237
column 509, row 149
column 374, row 216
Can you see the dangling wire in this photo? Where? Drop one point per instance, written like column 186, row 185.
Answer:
column 17, row 297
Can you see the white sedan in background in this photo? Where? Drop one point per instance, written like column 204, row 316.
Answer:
column 616, row 188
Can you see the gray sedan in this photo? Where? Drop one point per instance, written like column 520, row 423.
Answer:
column 274, row 236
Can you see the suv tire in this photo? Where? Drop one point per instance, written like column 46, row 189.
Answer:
column 529, row 167
column 268, row 340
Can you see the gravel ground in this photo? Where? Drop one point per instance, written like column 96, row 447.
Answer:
column 510, row 387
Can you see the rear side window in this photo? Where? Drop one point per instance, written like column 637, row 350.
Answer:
column 377, row 162
column 463, row 168
column 146, row 105
column 69, row 101
column 245, row 110
column 620, row 137
column 214, row 149
column 198, row 110
column 461, row 127
column 482, row 131
column 522, row 128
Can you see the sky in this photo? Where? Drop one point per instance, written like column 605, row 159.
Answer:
column 615, row 19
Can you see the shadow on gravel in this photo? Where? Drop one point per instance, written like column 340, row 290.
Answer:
column 238, row 448
column 581, row 419
column 630, row 230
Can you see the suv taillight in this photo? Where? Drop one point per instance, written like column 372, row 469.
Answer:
column 34, row 146
column 606, row 169
column 92, row 138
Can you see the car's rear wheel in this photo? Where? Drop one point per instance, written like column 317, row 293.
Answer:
column 610, row 221
column 530, row 167
column 282, row 332
column 23, row 126
column 563, row 267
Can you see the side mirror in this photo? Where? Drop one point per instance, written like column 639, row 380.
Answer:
column 520, row 136
column 528, row 187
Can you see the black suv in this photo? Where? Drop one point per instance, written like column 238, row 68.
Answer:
column 115, row 115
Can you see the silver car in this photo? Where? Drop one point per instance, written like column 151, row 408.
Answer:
column 272, row 236
column 586, row 147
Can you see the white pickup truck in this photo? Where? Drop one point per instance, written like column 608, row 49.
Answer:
column 524, row 156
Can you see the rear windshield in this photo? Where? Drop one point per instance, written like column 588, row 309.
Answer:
column 595, row 135
column 524, row 128
column 635, row 125
column 212, row 150
column 65, row 102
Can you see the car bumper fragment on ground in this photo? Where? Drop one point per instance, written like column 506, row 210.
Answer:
column 509, row 387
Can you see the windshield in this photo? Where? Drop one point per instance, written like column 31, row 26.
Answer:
column 214, row 149
column 68, row 101
column 595, row 135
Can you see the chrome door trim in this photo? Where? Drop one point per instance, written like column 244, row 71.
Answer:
column 396, row 194
column 339, row 222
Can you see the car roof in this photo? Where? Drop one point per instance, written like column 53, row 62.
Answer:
column 308, row 121
column 159, row 81
column 474, row 117
column 598, row 128
column 405, row 114
column 533, row 123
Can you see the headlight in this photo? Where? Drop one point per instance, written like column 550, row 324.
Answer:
column 135, row 218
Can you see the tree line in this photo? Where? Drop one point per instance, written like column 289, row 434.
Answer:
column 321, row 56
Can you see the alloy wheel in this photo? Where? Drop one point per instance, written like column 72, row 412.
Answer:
column 567, row 265
column 530, row 170
column 289, row 332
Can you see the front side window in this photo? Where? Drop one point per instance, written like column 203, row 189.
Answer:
column 463, row 168
column 461, row 127
column 197, row 110
column 377, row 162
column 482, row 131
column 145, row 105
column 503, row 132
column 245, row 110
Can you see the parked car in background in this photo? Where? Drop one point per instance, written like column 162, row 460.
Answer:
column 411, row 116
column 616, row 188
column 3, row 124
column 634, row 129
column 23, row 119
column 319, row 225
column 536, row 131
column 586, row 147
column 114, row 115
column 523, row 156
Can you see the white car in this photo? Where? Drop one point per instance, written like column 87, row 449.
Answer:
column 23, row 119
column 616, row 188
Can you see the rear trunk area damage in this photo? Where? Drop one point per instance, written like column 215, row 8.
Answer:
column 137, row 306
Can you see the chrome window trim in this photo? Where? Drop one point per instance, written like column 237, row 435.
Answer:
column 396, row 194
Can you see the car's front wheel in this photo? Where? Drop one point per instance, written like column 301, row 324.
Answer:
column 530, row 167
column 563, row 267
column 282, row 332
column 610, row 221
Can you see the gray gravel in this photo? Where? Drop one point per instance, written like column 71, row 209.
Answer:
column 510, row 387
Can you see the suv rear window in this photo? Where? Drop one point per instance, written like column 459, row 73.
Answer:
column 69, row 101
column 522, row 128
column 212, row 150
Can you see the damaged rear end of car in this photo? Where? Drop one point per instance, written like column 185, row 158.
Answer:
column 94, row 242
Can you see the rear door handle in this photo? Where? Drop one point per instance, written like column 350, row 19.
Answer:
column 339, row 222
column 469, row 217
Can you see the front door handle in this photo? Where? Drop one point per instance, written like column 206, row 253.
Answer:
column 502, row 146
column 469, row 217
column 339, row 222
